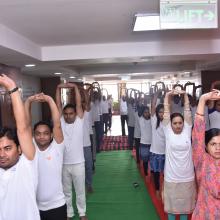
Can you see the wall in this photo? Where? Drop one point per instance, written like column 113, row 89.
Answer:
column 31, row 85
column 48, row 85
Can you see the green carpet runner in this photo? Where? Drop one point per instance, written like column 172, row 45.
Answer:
column 119, row 190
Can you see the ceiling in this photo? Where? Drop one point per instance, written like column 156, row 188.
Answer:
column 94, row 38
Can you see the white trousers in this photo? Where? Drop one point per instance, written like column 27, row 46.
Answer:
column 74, row 174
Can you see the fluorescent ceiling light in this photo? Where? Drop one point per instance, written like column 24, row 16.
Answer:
column 72, row 77
column 146, row 59
column 58, row 73
column 147, row 22
column 125, row 78
column 30, row 65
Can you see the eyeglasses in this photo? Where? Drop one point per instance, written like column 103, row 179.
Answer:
column 214, row 144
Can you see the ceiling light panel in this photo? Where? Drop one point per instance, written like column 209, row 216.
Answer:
column 30, row 65
column 147, row 22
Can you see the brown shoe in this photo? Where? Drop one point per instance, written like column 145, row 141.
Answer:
column 83, row 218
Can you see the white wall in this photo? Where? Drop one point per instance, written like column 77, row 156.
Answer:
column 31, row 85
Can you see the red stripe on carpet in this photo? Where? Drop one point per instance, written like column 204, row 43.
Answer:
column 114, row 143
column 150, row 187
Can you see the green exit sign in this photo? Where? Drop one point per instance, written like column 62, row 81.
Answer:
column 177, row 14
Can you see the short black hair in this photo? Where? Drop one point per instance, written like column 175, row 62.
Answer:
column 143, row 108
column 176, row 114
column 158, row 108
column 73, row 106
column 210, row 134
column 44, row 123
column 10, row 133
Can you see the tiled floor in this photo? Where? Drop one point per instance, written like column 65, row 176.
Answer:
column 116, row 126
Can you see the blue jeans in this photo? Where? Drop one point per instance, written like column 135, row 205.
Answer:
column 157, row 162
column 145, row 156
column 145, row 152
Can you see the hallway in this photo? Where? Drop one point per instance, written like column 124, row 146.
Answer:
column 116, row 126
column 85, row 61
column 119, row 190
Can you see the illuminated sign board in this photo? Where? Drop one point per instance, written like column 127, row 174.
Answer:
column 188, row 14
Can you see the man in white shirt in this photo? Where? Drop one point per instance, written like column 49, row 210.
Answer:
column 131, row 122
column 110, row 109
column 105, row 113
column 18, row 165
column 74, row 162
column 50, row 149
column 96, row 118
column 87, row 126
column 124, row 114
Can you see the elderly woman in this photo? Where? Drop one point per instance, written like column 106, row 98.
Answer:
column 179, row 178
column 206, row 158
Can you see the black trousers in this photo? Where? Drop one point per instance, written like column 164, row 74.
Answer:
column 130, row 137
column 105, row 121
column 157, row 180
column 137, row 147
column 59, row 213
column 109, row 118
column 123, row 119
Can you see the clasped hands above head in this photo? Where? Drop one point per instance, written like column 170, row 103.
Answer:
column 176, row 92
